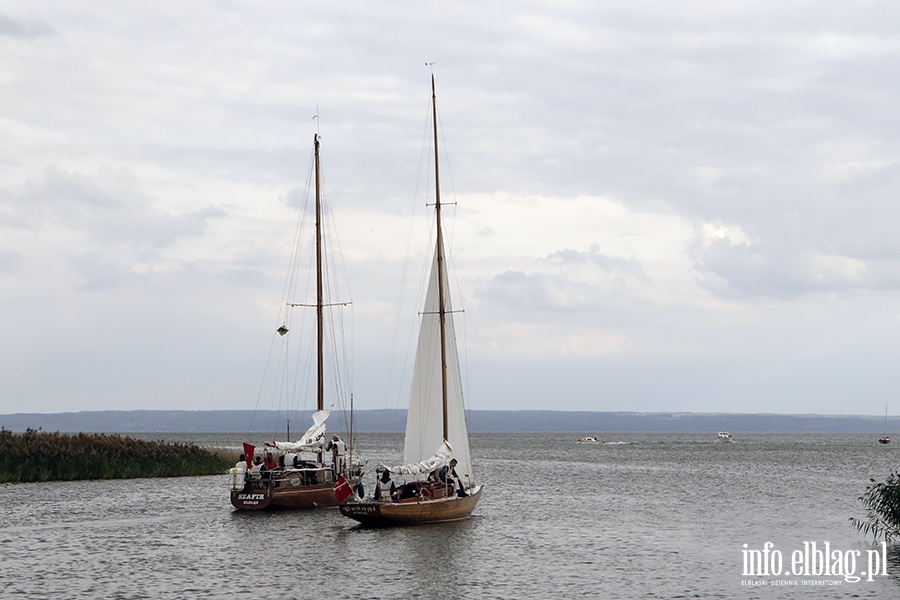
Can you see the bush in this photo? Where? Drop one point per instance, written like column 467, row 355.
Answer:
column 882, row 501
column 40, row 456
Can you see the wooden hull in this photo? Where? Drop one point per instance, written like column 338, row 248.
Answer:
column 272, row 496
column 387, row 514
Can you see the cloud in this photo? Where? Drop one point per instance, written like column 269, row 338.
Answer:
column 652, row 188
column 9, row 261
column 25, row 28
column 102, row 227
column 833, row 236
column 609, row 264
column 537, row 291
column 581, row 281
column 99, row 208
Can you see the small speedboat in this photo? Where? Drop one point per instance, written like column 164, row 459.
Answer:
column 885, row 439
column 723, row 436
column 589, row 440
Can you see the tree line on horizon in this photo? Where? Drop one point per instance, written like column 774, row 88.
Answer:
column 480, row 421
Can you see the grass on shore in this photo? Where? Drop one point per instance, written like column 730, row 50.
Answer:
column 40, row 456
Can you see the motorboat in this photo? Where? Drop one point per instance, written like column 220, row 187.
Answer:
column 589, row 439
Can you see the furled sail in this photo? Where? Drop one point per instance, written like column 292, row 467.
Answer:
column 440, row 458
column 424, row 423
column 311, row 440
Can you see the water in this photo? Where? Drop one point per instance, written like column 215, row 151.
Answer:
column 650, row 516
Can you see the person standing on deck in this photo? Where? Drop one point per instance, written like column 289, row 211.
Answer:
column 257, row 469
column 338, row 448
column 270, row 462
column 448, row 475
column 384, row 485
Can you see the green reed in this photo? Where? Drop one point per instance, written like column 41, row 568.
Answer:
column 42, row 456
column 882, row 502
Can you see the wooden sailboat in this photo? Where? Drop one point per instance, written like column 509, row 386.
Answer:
column 437, row 436
column 293, row 474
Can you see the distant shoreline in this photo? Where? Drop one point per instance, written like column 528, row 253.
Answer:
column 480, row 421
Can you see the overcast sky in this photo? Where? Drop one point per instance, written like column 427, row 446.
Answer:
column 661, row 206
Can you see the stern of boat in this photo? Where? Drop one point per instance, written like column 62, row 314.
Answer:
column 251, row 498
column 412, row 511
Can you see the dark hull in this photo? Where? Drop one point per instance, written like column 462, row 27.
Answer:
column 387, row 514
column 279, row 494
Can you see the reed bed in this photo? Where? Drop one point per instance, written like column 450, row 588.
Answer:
column 41, row 456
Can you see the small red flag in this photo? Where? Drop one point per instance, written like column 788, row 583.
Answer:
column 342, row 489
column 248, row 454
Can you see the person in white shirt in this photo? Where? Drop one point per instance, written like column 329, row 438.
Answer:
column 338, row 448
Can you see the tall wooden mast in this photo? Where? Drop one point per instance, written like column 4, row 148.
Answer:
column 320, row 319
column 442, row 311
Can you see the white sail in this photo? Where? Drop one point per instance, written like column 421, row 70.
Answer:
column 311, row 440
column 424, row 423
column 440, row 458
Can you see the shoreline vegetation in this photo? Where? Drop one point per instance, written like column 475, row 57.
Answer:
column 38, row 456
column 882, row 502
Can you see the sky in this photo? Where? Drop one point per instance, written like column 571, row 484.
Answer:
column 657, row 206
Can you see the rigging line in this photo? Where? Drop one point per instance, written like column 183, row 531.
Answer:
column 296, row 380
column 262, row 382
column 349, row 361
column 337, row 353
column 283, row 315
column 428, row 257
column 300, row 233
column 340, row 378
column 303, row 363
column 329, row 224
column 302, row 381
column 392, row 393
column 448, row 171
column 449, row 255
column 449, row 175
column 283, row 390
column 464, row 384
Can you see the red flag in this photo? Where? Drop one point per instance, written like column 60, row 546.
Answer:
column 248, row 454
column 342, row 489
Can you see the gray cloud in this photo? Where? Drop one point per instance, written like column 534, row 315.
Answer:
column 609, row 264
column 25, row 28
column 113, row 214
column 9, row 261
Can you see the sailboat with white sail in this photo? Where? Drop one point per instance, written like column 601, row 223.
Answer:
column 295, row 474
column 438, row 471
column 885, row 438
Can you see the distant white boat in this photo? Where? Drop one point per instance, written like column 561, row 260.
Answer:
column 723, row 436
column 589, row 440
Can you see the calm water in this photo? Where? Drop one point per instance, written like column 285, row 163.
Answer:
column 650, row 516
